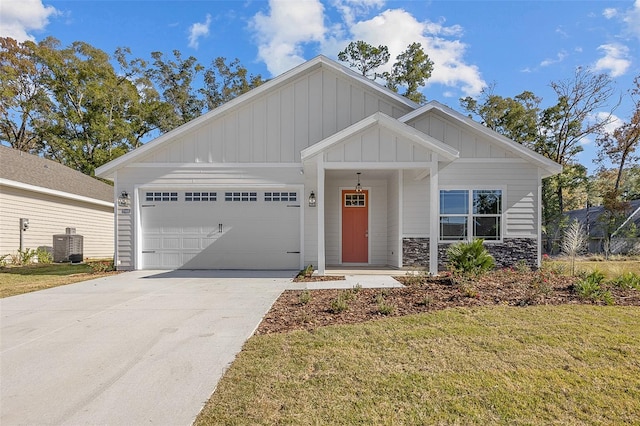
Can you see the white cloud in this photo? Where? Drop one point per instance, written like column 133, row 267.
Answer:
column 289, row 25
column 609, row 13
column 199, row 30
column 615, row 60
column 632, row 19
column 559, row 58
column 282, row 33
column 20, row 17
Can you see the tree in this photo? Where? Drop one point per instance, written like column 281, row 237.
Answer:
column 23, row 95
column 515, row 118
column 89, row 122
column 412, row 69
column 174, row 80
column 365, row 57
column 223, row 82
column 621, row 145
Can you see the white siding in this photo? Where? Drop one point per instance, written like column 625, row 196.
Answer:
column 415, row 212
column 49, row 216
column 377, row 144
column 276, row 126
column 459, row 137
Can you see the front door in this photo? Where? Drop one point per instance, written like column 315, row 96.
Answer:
column 355, row 226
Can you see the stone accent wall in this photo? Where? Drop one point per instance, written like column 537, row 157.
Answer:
column 415, row 252
column 507, row 254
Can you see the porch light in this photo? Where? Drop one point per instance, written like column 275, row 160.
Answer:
column 312, row 199
column 358, row 186
column 123, row 199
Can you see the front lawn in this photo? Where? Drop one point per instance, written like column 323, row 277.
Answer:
column 25, row 279
column 567, row 364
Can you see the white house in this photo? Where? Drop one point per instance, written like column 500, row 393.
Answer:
column 268, row 181
column 52, row 197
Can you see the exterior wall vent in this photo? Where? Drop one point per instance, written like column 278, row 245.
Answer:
column 68, row 247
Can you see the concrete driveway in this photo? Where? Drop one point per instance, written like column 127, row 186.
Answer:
column 137, row 348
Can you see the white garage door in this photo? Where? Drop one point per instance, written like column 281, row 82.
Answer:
column 229, row 229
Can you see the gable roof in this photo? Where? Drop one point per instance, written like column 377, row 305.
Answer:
column 387, row 122
column 550, row 167
column 107, row 170
column 29, row 171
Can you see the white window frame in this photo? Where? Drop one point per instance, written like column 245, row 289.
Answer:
column 470, row 215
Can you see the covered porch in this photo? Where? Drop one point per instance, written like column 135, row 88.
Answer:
column 370, row 182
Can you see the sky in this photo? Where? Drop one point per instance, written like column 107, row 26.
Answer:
column 510, row 46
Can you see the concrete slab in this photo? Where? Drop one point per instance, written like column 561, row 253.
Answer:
column 135, row 348
column 350, row 281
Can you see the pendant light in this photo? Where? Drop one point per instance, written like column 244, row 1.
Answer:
column 358, row 186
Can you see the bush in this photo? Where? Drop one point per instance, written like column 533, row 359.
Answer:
column 627, row 280
column 102, row 266
column 44, row 256
column 469, row 258
column 305, row 297
column 590, row 287
column 339, row 304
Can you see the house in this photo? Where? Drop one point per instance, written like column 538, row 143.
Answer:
column 622, row 242
column 268, row 181
column 52, row 197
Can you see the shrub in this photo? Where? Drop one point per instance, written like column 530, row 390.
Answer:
column 339, row 304
column 44, row 256
column 590, row 287
column 574, row 242
column 627, row 280
column 469, row 258
column 384, row 307
column 24, row 257
column 305, row 297
column 102, row 266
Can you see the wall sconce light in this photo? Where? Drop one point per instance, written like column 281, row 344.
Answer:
column 358, row 186
column 312, row 199
column 123, row 199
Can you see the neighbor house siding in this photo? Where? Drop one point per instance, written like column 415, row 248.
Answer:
column 49, row 216
column 276, row 126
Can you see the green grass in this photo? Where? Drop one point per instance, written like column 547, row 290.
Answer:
column 25, row 279
column 541, row 365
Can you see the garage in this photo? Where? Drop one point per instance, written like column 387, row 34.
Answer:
column 220, row 229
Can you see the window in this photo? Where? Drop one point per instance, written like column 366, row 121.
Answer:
column 280, row 196
column 161, row 196
column 354, row 200
column 200, row 196
column 241, row 196
column 467, row 214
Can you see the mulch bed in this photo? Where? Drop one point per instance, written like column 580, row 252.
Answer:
column 425, row 294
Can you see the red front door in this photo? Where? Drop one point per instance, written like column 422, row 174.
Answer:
column 355, row 226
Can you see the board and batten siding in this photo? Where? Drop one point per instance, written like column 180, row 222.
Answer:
column 518, row 178
column 467, row 143
column 276, row 126
column 50, row 215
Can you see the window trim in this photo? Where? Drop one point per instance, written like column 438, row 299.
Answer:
column 470, row 215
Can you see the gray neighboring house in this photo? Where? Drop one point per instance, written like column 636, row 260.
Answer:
column 53, row 197
column 590, row 220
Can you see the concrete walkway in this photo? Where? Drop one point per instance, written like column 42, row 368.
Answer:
column 131, row 349
column 144, row 347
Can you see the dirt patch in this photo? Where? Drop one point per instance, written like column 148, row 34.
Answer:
column 310, row 309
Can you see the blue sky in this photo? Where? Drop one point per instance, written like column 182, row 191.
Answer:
column 513, row 45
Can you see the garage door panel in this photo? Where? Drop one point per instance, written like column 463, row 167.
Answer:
column 255, row 234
